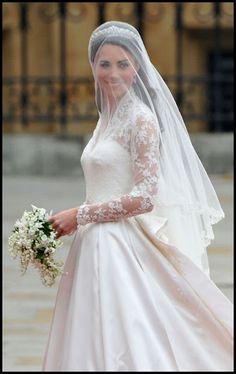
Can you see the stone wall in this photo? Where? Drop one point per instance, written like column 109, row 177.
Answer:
column 51, row 155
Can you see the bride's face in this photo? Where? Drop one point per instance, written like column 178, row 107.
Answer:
column 115, row 69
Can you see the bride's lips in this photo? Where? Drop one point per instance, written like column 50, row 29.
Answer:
column 114, row 83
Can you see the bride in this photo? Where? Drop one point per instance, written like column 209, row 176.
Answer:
column 137, row 294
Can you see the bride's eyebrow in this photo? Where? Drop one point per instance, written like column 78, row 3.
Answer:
column 125, row 60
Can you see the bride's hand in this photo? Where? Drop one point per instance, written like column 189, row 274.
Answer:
column 64, row 223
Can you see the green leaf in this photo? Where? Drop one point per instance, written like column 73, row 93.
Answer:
column 47, row 228
column 40, row 253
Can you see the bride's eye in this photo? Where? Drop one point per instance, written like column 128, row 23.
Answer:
column 124, row 64
column 104, row 64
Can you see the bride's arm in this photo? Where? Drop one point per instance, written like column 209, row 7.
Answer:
column 145, row 159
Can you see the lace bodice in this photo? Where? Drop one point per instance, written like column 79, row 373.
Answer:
column 120, row 166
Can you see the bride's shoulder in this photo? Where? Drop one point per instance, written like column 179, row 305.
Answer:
column 142, row 113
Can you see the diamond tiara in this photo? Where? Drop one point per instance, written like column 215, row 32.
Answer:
column 116, row 31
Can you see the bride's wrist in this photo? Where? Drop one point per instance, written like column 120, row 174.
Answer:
column 81, row 215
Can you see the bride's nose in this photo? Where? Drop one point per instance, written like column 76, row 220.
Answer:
column 113, row 73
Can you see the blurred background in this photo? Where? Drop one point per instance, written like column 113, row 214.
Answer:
column 49, row 114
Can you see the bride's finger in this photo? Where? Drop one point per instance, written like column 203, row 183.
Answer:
column 50, row 219
column 59, row 234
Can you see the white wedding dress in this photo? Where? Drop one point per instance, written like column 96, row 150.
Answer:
column 129, row 300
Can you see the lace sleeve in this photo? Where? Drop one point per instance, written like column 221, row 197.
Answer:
column 145, row 157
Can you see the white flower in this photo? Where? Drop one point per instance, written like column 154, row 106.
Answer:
column 44, row 238
column 32, row 231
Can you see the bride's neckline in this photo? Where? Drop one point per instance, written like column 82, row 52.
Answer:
column 125, row 101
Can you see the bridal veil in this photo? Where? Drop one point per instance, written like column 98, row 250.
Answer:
column 185, row 203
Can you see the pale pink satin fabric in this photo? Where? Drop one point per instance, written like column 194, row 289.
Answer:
column 129, row 304
column 131, row 300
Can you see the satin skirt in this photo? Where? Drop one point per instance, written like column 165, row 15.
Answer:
column 124, row 304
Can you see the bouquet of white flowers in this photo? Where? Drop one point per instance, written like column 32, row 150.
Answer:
column 34, row 240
